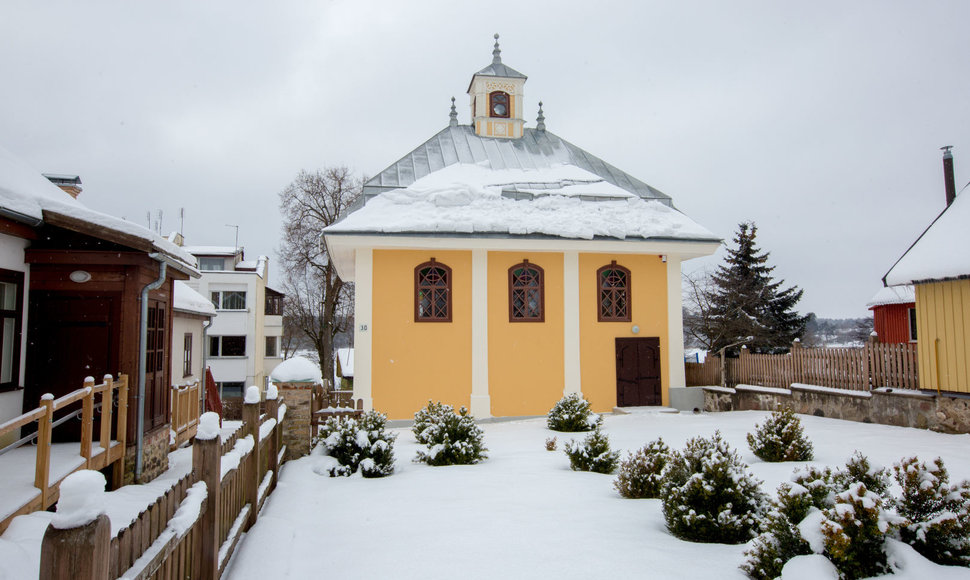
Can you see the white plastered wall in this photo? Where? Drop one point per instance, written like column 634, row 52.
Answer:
column 12, row 258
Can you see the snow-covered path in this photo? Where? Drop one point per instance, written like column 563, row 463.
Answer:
column 523, row 514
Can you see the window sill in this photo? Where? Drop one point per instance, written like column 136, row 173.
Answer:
column 243, row 357
column 10, row 388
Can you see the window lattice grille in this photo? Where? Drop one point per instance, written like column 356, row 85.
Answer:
column 614, row 292
column 526, row 293
column 433, row 292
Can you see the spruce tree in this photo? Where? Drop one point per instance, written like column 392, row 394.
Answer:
column 747, row 305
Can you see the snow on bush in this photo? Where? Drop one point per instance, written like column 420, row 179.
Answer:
column 771, row 550
column 936, row 514
column 550, row 443
column 641, row 473
column 855, row 531
column 573, row 414
column 452, row 438
column 593, row 454
column 362, row 444
column 858, row 469
column 709, row 494
column 781, row 438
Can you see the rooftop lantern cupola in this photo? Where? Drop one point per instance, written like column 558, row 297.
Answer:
column 495, row 95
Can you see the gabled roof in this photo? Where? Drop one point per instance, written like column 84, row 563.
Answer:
column 188, row 300
column 893, row 295
column 497, row 69
column 534, row 150
column 940, row 253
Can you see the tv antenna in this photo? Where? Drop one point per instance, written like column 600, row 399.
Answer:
column 235, row 247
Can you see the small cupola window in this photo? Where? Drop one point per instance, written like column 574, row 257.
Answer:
column 498, row 105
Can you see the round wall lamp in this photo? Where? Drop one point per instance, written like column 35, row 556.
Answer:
column 80, row 276
column 635, row 329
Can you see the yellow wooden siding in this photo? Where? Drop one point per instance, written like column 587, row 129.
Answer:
column 525, row 359
column 413, row 362
column 648, row 281
column 943, row 344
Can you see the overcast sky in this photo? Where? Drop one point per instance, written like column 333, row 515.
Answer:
column 819, row 121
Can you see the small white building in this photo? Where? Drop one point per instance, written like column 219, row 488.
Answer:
column 243, row 343
column 192, row 313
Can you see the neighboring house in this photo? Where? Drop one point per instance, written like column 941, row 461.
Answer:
column 938, row 264
column 894, row 314
column 344, row 369
column 192, row 315
column 71, row 282
column 243, row 343
column 500, row 267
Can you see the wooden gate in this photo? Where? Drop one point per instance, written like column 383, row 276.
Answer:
column 638, row 372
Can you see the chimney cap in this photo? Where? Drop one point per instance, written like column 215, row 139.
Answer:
column 62, row 179
column 946, row 151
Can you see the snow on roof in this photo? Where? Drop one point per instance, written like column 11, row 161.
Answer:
column 297, row 370
column 188, row 300
column 345, row 356
column 474, row 198
column 258, row 265
column 32, row 198
column 940, row 252
column 893, row 295
column 212, row 250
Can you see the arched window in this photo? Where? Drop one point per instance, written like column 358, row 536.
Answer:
column 499, row 105
column 613, row 284
column 432, row 292
column 526, row 293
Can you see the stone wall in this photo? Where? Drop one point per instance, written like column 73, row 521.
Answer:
column 902, row 408
column 296, row 422
column 154, row 456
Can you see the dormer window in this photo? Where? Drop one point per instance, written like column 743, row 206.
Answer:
column 498, row 104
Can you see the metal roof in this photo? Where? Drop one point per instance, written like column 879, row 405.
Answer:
column 534, row 150
column 497, row 69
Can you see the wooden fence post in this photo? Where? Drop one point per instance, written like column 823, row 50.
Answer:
column 82, row 553
column 207, row 464
column 272, row 451
column 87, row 421
column 250, row 465
column 42, row 472
column 107, row 409
column 796, row 361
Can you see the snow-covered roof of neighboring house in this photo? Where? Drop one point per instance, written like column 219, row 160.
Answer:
column 940, row 253
column 297, row 370
column 212, row 250
column 560, row 200
column 893, row 295
column 258, row 265
column 345, row 356
column 28, row 197
column 188, row 300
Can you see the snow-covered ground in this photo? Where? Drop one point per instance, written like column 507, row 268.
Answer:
column 523, row 514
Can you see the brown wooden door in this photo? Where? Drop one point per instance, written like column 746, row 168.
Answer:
column 156, row 391
column 638, row 372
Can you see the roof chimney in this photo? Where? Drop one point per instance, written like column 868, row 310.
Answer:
column 69, row 183
column 951, row 190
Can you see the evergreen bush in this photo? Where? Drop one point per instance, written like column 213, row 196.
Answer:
column 452, row 438
column 363, row 444
column 573, row 414
column 550, row 443
column 854, row 531
column 936, row 514
column 593, row 454
column 781, row 438
column 641, row 473
column 771, row 550
column 858, row 469
column 709, row 494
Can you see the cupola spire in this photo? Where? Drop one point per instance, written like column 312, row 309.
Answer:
column 453, row 115
column 541, row 120
column 496, row 52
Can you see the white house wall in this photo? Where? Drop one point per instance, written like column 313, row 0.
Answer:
column 12, row 258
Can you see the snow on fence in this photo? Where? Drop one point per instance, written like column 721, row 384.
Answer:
column 861, row 369
column 162, row 542
column 186, row 407
column 94, row 400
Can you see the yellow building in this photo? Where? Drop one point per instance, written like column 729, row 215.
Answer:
column 500, row 267
column 939, row 265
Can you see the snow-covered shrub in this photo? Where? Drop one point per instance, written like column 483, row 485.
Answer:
column 936, row 514
column 781, row 438
column 772, row 549
column 550, row 443
column 593, row 454
column 819, row 492
column 641, row 473
column 362, row 444
column 452, row 439
column 571, row 414
column 854, row 531
column 859, row 469
column 709, row 494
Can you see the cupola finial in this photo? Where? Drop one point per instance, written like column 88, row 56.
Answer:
column 453, row 115
column 496, row 52
column 541, row 120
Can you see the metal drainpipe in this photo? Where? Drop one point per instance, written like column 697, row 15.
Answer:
column 142, row 359
column 205, row 360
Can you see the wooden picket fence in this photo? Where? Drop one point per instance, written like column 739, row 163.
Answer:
column 862, row 368
column 238, row 474
column 186, row 408
column 108, row 400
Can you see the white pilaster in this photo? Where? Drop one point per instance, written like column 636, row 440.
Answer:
column 570, row 284
column 675, row 324
column 363, row 312
column 481, row 404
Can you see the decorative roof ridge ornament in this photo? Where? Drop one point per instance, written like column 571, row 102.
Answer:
column 453, row 115
column 496, row 52
column 541, row 120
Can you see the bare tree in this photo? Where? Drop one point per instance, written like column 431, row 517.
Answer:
column 317, row 300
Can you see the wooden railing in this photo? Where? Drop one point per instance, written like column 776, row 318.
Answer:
column 186, row 407
column 871, row 366
column 94, row 399
column 325, row 402
column 236, row 484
